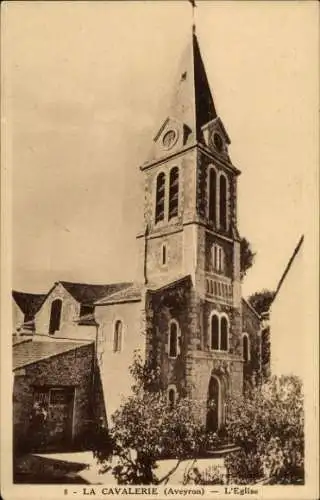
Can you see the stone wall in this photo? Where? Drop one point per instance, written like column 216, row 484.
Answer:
column 191, row 371
column 71, row 369
column 172, row 303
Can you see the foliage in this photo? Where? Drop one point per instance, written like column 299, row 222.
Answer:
column 211, row 475
column 262, row 300
column 268, row 426
column 146, row 428
column 265, row 355
column 246, row 257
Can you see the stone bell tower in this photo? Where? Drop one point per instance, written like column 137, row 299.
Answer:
column 191, row 242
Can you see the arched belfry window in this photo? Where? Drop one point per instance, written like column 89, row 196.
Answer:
column 214, row 341
column 223, row 202
column 117, row 336
column 174, row 339
column 245, row 348
column 55, row 316
column 219, row 332
column 224, row 334
column 173, row 192
column 212, row 196
column 160, row 197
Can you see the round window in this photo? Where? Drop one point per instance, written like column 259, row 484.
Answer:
column 169, row 139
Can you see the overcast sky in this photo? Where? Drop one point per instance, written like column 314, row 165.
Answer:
column 86, row 86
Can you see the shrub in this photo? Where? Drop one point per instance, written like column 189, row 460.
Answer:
column 146, row 428
column 268, row 425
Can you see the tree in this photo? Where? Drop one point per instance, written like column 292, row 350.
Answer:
column 261, row 301
column 246, row 257
column 268, row 426
column 147, row 428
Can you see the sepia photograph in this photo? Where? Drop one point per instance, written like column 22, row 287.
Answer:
column 159, row 249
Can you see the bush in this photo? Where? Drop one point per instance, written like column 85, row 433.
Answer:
column 146, row 428
column 211, row 475
column 268, row 425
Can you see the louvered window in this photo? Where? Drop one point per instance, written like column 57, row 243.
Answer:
column 160, row 197
column 212, row 196
column 174, row 192
column 223, row 202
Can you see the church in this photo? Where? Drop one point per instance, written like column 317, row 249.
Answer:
column 185, row 310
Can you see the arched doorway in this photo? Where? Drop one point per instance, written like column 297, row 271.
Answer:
column 213, row 404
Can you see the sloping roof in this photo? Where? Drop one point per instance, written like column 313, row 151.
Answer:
column 177, row 280
column 16, row 339
column 28, row 353
column 86, row 293
column 29, row 303
column 249, row 306
column 292, row 258
column 132, row 293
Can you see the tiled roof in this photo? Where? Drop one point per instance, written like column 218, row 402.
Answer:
column 29, row 303
column 17, row 339
column 130, row 294
column 27, row 353
column 88, row 294
column 168, row 281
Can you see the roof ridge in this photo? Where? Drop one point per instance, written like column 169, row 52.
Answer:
column 287, row 268
column 35, row 294
column 251, row 307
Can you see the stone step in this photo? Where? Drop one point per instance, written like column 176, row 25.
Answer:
column 221, row 450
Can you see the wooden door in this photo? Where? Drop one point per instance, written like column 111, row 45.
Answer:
column 213, row 405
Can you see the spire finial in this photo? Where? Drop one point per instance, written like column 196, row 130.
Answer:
column 193, row 5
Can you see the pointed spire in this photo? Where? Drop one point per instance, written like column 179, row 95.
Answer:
column 192, row 101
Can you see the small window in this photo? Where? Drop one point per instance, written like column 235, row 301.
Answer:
column 117, row 339
column 245, row 348
column 55, row 316
column 217, row 258
column 86, row 313
column 174, row 192
column 224, row 334
column 174, row 340
column 41, row 396
column 172, row 396
column 164, row 254
column 160, row 197
column 61, row 396
column 215, row 332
